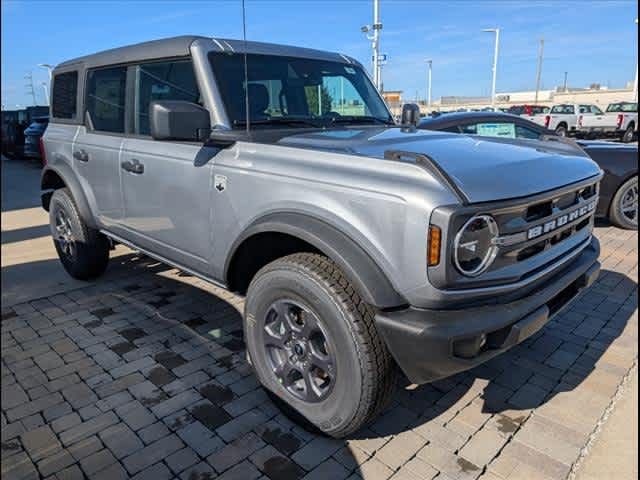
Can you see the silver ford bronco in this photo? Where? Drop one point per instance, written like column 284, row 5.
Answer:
column 363, row 247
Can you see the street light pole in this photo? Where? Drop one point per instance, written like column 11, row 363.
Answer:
column 49, row 68
column 635, row 83
column 564, row 88
column 375, row 43
column 430, row 62
column 539, row 70
column 495, row 63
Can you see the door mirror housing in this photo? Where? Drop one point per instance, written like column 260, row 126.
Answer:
column 410, row 114
column 178, row 120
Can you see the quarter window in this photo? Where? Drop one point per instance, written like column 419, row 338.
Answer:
column 65, row 93
column 162, row 81
column 106, row 95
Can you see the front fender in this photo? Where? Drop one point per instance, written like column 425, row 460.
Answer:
column 70, row 180
column 364, row 273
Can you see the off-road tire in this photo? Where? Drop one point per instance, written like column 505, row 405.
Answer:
column 615, row 214
column 366, row 372
column 91, row 253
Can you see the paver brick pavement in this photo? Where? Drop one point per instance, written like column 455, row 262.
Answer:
column 143, row 375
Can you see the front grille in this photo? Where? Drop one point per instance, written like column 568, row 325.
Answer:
column 534, row 233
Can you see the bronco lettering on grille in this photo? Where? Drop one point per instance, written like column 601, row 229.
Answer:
column 560, row 221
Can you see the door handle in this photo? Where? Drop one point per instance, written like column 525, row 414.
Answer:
column 133, row 166
column 81, row 155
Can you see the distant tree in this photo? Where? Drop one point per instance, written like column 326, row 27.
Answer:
column 312, row 100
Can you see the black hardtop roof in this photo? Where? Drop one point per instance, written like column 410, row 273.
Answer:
column 179, row 47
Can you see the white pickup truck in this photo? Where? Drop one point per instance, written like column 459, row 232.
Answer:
column 620, row 120
column 566, row 118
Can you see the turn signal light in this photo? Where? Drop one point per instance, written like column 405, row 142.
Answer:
column 434, row 244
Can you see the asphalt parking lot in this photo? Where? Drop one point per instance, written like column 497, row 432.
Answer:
column 142, row 374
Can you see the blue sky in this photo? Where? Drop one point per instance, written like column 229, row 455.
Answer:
column 595, row 41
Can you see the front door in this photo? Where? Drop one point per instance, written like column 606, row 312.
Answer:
column 166, row 186
column 96, row 149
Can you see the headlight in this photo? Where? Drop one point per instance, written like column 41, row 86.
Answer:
column 474, row 245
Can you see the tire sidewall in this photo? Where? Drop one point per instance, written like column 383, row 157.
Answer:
column 337, row 410
column 61, row 201
column 562, row 131
column 617, row 216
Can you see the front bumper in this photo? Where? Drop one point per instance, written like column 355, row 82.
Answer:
column 432, row 344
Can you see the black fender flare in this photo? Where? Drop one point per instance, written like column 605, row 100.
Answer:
column 71, row 181
column 367, row 277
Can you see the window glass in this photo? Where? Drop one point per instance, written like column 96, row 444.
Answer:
column 496, row 129
column 106, row 99
column 585, row 108
column 566, row 109
column 622, row 107
column 65, row 92
column 596, row 110
column 296, row 91
column 162, row 81
column 526, row 132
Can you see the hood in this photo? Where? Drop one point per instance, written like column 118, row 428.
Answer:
column 482, row 168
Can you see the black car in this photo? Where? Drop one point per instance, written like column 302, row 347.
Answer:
column 32, row 135
column 619, row 187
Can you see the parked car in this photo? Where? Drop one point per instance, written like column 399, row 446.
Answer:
column 619, row 187
column 360, row 245
column 527, row 110
column 620, row 120
column 32, row 136
column 566, row 119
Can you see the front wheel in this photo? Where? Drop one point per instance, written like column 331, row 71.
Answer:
column 313, row 344
column 624, row 206
column 83, row 251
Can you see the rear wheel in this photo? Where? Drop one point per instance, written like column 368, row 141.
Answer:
column 562, row 130
column 624, row 207
column 629, row 134
column 313, row 344
column 83, row 251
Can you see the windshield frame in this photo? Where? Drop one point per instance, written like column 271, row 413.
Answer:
column 368, row 94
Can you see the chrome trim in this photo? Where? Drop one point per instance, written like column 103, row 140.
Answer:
column 491, row 254
column 522, row 283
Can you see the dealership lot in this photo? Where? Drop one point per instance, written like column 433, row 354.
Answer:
column 142, row 374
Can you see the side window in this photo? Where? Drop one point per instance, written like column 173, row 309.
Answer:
column 494, row 129
column 470, row 129
column 596, row 110
column 525, row 132
column 162, row 81
column 65, row 94
column 106, row 92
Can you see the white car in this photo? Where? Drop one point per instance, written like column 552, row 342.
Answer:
column 620, row 119
column 566, row 118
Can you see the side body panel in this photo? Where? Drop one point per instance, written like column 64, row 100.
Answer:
column 96, row 161
column 168, row 207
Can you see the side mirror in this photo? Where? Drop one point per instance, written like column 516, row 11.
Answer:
column 410, row 114
column 178, row 120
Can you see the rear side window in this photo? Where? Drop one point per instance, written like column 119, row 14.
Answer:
column 566, row 109
column 173, row 80
column 106, row 93
column 65, row 93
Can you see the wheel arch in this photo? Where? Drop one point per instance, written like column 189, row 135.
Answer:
column 286, row 233
column 54, row 178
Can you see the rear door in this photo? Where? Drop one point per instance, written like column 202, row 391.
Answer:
column 166, row 185
column 96, row 149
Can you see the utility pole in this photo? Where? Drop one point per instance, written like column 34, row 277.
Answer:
column 30, row 90
column 430, row 63
column 539, row 70
column 495, row 63
column 564, row 88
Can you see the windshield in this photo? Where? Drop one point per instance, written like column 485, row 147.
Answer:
column 623, row 107
column 563, row 109
column 296, row 92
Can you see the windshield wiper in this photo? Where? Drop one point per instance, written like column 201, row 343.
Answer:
column 278, row 121
column 360, row 119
